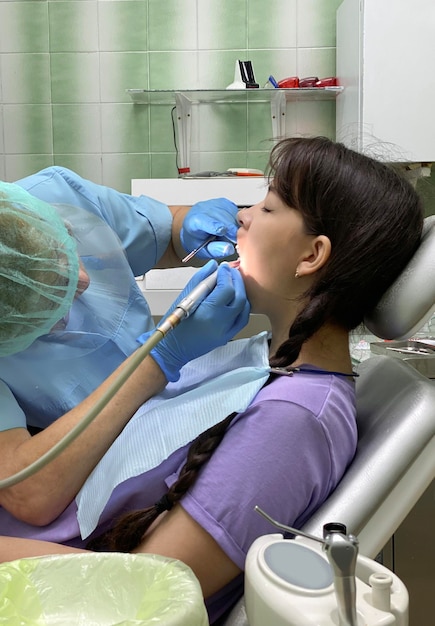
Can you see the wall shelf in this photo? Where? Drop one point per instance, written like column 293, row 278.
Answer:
column 183, row 100
column 226, row 96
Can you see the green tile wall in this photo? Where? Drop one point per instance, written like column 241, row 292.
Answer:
column 65, row 66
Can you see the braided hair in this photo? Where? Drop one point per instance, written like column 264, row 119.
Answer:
column 373, row 218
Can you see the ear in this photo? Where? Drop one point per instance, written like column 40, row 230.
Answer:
column 316, row 257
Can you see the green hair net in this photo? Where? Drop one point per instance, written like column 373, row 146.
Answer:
column 39, row 268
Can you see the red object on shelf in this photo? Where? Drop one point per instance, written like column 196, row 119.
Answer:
column 310, row 81
column 294, row 82
column 289, row 83
column 331, row 81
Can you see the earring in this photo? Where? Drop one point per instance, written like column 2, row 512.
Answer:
column 296, row 274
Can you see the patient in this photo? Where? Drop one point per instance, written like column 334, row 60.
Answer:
column 335, row 229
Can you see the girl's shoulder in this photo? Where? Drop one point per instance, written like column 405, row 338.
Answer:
column 309, row 388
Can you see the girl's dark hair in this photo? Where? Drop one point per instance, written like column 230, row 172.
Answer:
column 373, row 218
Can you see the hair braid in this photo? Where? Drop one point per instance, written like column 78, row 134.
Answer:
column 129, row 529
column 306, row 323
column 199, row 453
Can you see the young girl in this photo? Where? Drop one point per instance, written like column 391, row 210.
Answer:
column 333, row 232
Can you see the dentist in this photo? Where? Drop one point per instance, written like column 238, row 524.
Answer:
column 71, row 313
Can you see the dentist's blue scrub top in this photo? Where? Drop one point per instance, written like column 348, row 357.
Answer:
column 60, row 369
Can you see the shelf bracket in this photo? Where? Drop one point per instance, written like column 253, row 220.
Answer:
column 278, row 110
column 184, row 126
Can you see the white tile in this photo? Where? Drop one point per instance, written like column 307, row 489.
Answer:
column 20, row 165
column 86, row 165
column 25, row 78
column 316, row 22
column 23, row 26
column 75, row 77
column 316, row 62
column 27, row 129
column 73, row 26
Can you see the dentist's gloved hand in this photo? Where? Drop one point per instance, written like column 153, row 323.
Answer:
column 220, row 316
column 211, row 217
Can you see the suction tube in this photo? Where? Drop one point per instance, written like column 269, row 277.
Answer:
column 182, row 311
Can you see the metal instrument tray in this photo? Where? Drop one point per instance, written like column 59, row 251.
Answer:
column 416, row 353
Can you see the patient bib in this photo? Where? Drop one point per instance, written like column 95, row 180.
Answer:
column 210, row 388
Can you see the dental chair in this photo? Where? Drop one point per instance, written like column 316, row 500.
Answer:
column 395, row 458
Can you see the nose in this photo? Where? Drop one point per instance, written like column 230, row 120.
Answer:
column 241, row 215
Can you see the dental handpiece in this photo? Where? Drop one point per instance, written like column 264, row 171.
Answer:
column 189, row 303
column 198, row 293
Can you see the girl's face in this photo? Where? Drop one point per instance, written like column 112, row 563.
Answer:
column 271, row 241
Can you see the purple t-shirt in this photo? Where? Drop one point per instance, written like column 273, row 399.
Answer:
column 286, row 453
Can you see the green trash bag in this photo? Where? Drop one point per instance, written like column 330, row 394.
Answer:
column 100, row 589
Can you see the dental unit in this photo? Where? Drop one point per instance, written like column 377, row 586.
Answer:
column 289, row 582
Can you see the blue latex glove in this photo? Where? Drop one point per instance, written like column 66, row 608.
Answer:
column 220, row 316
column 211, row 217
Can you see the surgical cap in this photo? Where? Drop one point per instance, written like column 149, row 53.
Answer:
column 39, row 268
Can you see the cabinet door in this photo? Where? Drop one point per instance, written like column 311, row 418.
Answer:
column 384, row 52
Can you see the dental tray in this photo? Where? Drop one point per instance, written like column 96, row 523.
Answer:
column 410, row 346
column 418, row 354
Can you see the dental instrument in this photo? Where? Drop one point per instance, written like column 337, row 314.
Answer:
column 196, row 250
column 205, row 243
column 184, row 308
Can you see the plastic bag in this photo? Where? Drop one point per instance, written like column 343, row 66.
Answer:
column 100, row 589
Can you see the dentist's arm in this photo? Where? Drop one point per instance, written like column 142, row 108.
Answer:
column 42, row 497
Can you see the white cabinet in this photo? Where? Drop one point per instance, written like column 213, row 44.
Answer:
column 385, row 52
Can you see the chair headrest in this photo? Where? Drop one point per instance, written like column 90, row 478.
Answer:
column 410, row 300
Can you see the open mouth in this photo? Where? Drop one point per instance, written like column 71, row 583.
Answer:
column 236, row 262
